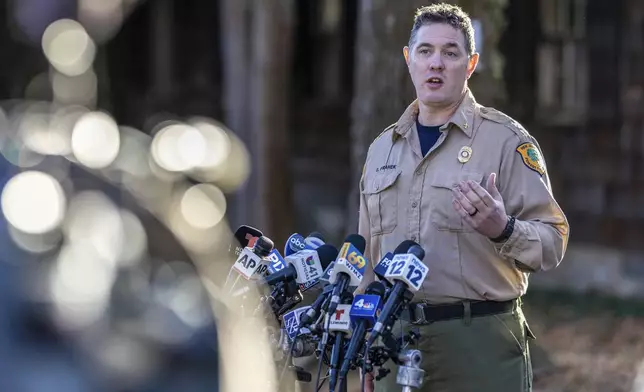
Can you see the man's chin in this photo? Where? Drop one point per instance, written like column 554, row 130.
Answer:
column 433, row 99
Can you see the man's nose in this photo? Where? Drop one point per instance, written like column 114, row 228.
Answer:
column 438, row 66
column 436, row 63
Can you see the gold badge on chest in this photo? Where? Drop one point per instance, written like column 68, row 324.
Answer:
column 464, row 154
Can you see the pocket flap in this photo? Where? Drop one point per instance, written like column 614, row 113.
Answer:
column 380, row 182
column 449, row 180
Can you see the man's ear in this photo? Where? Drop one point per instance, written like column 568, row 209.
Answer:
column 472, row 63
column 406, row 54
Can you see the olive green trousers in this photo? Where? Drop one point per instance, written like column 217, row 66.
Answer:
column 473, row 354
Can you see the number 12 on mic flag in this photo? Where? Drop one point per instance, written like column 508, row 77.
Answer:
column 408, row 269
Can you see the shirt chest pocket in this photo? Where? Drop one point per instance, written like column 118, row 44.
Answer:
column 443, row 215
column 381, row 196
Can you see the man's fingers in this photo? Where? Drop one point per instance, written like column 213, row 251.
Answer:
column 471, row 195
column 491, row 187
column 463, row 213
column 482, row 194
column 464, row 202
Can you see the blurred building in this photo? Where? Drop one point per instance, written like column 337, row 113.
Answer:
column 575, row 77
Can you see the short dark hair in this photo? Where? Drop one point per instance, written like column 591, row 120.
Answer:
column 449, row 14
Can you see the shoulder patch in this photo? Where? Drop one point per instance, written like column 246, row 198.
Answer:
column 532, row 157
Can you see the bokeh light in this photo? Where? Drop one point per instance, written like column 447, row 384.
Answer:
column 68, row 47
column 103, row 18
column 178, row 148
column 46, row 129
column 96, row 140
column 203, row 206
column 80, row 285
column 75, row 90
column 216, row 141
column 33, row 202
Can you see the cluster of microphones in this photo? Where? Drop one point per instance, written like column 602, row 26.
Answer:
column 342, row 329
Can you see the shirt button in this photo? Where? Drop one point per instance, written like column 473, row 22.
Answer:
column 419, row 172
column 414, row 205
column 413, row 238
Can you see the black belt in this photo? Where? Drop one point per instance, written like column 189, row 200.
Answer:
column 420, row 313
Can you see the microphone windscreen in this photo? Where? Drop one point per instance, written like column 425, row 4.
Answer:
column 376, row 288
column 264, row 246
column 244, row 233
column 358, row 241
column 417, row 251
column 404, row 247
column 317, row 235
column 327, row 254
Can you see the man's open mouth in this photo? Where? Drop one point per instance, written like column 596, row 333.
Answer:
column 435, row 82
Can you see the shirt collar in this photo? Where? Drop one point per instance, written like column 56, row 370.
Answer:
column 463, row 117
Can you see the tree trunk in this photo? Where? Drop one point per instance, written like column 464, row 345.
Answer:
column 270, row 87
column 235, row 64
column 382, row 86
column 256, row 40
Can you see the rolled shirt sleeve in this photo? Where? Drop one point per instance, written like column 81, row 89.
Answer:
column 541, row 229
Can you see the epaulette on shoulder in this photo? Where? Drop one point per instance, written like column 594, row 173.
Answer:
column 503, row 119
column 379, row 139
column 385, row 131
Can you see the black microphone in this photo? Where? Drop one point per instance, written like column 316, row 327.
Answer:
column 245, row 236
column 263, row 246
column 312, row 313
column 404, row 246
column 365, row 316
column 340, row 323
column 318, row 235
column 408, row 272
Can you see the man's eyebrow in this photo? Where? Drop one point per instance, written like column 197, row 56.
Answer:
column 448, row 45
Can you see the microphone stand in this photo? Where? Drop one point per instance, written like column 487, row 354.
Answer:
column 338, row 349
column 342, row 386
column 410, row 375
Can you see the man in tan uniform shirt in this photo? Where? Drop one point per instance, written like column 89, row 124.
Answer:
column 480, row 205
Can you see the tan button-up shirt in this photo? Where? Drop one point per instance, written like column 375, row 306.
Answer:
column 407, row 196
